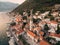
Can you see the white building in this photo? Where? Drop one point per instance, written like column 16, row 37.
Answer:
column 55, row 14
column 54, row 24
column 11, row 41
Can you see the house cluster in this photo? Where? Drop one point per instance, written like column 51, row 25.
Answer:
column 43, row 28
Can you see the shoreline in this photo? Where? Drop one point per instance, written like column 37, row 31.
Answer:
column 4, row 19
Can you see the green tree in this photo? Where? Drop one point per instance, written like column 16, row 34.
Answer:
column 51, row 18
column 13, row 24
column 58, row 29
column 58, row 43
column 46, row 28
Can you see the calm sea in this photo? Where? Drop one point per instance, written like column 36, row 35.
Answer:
column 4, row 19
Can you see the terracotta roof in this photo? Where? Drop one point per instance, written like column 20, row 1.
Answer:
column 54, row 22
column 17, row 27
column 43, row 22
column 41, row 33
column 55, row 12
column 48, row 22
column 17, row 18
column 38, row 28
column 44, row 43
column 19, row 32
column 41, row 37
column 36, row 37
column 31, row 33
column 55, row 35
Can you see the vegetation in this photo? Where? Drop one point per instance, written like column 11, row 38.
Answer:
column 58, row 43
column 51, row 18
column 23, row 40
column 58, row 29
column 46, row 28
column 41, row 5
column 50, row 40
column 13, row 24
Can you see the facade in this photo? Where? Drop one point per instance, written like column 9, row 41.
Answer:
column 55, row 14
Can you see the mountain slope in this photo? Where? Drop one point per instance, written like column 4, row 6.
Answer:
column 7, row 6
column 36, row 5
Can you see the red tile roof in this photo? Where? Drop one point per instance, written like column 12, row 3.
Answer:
column 55, row 35
column 41, row 33
column 31, row 33
column 54, row 22
column 37, row 28
column 44, row 43
column 17, row 27
column 19, row 32
column 17, row 18
column 41, row 37
column 36, row 37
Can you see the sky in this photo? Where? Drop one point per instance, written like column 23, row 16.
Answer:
column 13, row 1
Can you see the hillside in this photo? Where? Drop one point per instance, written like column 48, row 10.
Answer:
column 36, row 5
